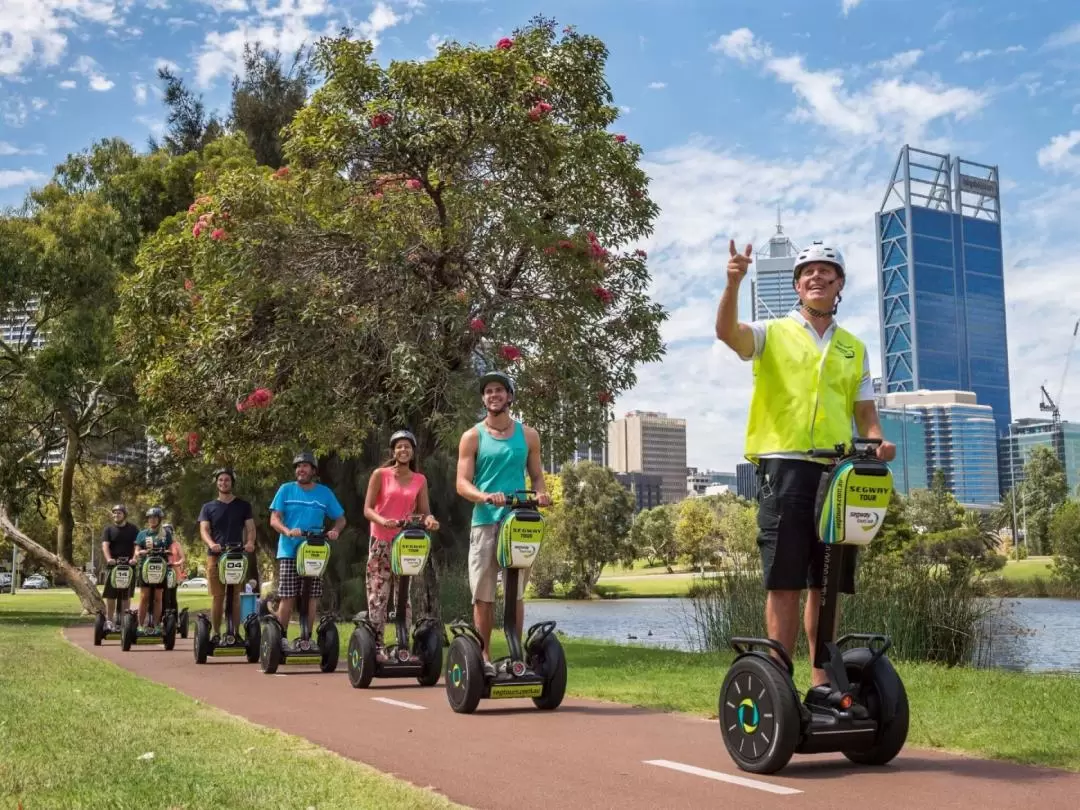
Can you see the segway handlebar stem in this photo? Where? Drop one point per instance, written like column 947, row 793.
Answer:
column 515, row 501
column 859, row 447
column 415, row 521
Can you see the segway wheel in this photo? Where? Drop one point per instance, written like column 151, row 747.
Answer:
column 270, row 647
column 427, row 645
column 99, row 629
column 330, row 644
column 183, row 623
column 759, row 715
column 251, row 635
column 552, row 665
column 127, row 631
column 168, row 635
column 202, row 640
column 361, row 658
column 464, row 675
column 886, row 702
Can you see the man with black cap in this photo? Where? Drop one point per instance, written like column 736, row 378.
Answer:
column 117, row 540
column 299, row 506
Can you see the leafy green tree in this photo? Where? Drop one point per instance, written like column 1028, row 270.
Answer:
column 434, row 219
column 1044, row 488
column 1065, row 539
column 597, row 514
column 697, row 532
column 739, row 530
column 653, row 535
column 190, row 127
column 934, row 509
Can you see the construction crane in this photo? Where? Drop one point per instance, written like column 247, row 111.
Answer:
column 1048, row 403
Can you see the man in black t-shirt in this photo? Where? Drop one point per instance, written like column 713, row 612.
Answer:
column 225, row 523
column 117, row 540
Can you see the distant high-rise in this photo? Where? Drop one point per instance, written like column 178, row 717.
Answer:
column 941, row 280
column 960, row 440
column 652, row 443
column 1025, row 435
column 771, row 292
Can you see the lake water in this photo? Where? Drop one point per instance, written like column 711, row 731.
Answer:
column 1033, row 635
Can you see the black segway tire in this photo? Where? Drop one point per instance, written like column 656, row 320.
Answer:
column 202, row 640
column 270, row 647
column 252, row 631
column 464, row 675
column 183, row 623
column 330, row 645
column 361, row 658
column 552, row 665
column 168, row 635
column 427, row 646
column 127, row 631
column 759, row 715
column 886, row 701
column 99, row 629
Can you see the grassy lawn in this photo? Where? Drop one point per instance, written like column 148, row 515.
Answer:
column 645, row 586
column 1026, row 570
column 74, row 729
column 1031, row 719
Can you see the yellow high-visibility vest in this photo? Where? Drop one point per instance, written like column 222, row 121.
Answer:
column 803, row 398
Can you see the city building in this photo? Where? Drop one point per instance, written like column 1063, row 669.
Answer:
column 960, row 440
column 647, row 489
column 941, row 281
column 1024, row 436
column 906, row 428
column 698, row 481
column 18, row 327
column 584, row 452
column 651, row 443
column 771, row 292
column 746, row 480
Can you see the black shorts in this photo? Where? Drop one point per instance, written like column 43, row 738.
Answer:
column 792, row 557
column 288, row 584
column 112, row 592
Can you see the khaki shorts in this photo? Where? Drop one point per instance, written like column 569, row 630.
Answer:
column 483, row 566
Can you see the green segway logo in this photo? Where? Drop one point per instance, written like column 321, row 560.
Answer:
column 748, row 716
column 455, row 675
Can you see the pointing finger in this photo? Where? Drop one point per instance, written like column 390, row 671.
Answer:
column 731, row 247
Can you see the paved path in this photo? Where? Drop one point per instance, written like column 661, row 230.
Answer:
column 586, row 754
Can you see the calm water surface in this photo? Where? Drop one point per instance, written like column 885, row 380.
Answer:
column 1033, row 635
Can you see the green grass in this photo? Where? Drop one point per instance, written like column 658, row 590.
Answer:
column 989, row 713
column 645, row 587
column 1026, row 570
column 73, row 729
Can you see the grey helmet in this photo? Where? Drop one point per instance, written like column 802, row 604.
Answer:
column 155, row 511
column 402, row 434
column 499, row 377
column 119, row 508
column 224, row 471
column 305, row 457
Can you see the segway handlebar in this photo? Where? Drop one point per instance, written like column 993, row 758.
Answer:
column 415, row 521
column 118, row 561
column 859, row 447
column 515, row 501
column 319, row 534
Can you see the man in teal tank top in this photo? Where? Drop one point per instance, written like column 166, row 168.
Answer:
column 493, row 458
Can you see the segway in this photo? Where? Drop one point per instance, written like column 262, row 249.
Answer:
column 863, row 710
column 108, row 628
column 409, row 552
column 157, row 574
column 538, row 670
column 232, row 571
column 312, row 556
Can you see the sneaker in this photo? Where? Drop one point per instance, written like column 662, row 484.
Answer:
column 285, row 645
column 381, row 656
column 489, row 669
column 215, row 639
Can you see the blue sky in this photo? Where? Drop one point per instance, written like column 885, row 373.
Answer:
column 740, row 106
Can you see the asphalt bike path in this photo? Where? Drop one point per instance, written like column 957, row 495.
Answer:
column 584, row 754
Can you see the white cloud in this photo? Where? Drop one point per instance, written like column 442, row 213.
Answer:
column 39, row 103
column 847, row 5
column 657, row 85
column 888, row 108
column 14, row 112
column 166, row 63
column 33, row 30
column 140, row 94
column 9, row 150
column 1065, row 37
column 900, row 62
column 224, row 6
column 1058, row 155
column 67, row 84
column 975, row 56
column 10, row 178
column 88, row 67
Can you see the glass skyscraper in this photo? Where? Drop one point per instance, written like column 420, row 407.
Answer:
column 1014, row 450
column 958, row 437
column 771, row 292
column 941, row 281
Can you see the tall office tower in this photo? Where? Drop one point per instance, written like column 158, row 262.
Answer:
column 960, row 441
column 771, row 293
column 1025, row 435
column 651, row 443
column 941, row 280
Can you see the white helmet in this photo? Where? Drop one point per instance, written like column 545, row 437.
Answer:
column 820, row 252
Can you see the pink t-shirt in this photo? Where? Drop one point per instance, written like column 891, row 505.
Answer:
column 395, row 501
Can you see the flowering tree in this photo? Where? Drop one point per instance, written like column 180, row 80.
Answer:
column 434, row 219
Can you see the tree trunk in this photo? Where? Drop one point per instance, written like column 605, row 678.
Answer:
column 66, row 520
column 80, row 583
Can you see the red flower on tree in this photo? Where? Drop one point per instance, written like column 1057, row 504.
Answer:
column 218, row 234
column 477, row 325
column 282, row 172
column 604, row 397
column 259, row 398
column 505, row 44
column 193, row 443
column 412, row 184
column 540, row 109
column 510, row 353
column 620, row 139
column 604, row 294
column 189, row 284
column 381, row 120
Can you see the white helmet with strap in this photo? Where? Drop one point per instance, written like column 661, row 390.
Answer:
column 820, row 252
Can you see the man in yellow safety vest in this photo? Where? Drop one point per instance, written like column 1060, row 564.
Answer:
column 811, row 378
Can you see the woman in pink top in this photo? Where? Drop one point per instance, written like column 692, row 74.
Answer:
column 395, row 491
